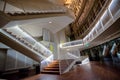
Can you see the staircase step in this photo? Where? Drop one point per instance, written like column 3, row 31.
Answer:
column 52, row 69
column 55, row 63
column 50, row 72
column 52, row 66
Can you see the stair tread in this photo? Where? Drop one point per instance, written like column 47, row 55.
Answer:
column 51, row 68
column 55, row 63
column 49, row 71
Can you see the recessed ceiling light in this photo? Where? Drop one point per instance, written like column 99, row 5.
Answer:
column 50, row 22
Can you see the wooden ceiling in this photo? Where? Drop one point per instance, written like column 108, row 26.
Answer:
column 87, row 18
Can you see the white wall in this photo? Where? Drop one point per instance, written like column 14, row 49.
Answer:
column 62, row 39
column 58, row 38
column 61, row 35
column 47, row 35
column 56, row 46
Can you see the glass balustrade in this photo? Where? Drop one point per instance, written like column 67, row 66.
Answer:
column 72, row 44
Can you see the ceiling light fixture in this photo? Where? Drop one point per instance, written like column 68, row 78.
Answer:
column 50, row 22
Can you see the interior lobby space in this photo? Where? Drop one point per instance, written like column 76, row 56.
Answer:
column 59, row 39
column 89, row 71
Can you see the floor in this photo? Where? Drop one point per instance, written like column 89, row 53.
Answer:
column 89, row 71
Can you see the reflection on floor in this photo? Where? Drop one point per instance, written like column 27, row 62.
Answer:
column 89, row 71
column 85, row 61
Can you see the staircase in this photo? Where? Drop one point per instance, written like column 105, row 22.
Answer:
column 52, row 68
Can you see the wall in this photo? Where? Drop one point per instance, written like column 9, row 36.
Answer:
column 11, row 59
column 47, row 35
column 62, row 53
column 59, row 37
column 2, row 59
column 16, row 60
column 56, row 46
